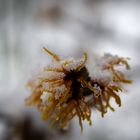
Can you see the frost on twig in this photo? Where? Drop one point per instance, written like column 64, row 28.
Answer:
column 62, row 89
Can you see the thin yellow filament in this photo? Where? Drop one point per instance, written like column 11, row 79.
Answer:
column 56, row 57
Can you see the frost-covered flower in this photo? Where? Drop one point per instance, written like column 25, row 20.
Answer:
column 67, row 88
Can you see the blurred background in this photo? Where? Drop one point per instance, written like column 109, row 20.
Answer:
column 68, row 28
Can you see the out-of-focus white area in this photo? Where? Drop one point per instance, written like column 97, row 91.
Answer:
column 68, row 28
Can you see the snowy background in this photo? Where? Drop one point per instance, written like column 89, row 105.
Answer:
column 67, row 27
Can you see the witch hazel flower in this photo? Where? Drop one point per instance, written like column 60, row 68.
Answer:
column 68, row 88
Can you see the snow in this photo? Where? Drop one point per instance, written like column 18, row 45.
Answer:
column 74, row 65
column 59, row 91
column 44, row 97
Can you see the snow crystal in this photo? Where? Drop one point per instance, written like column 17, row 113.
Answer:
column 101, row 75
column 106, row 60
column 55, row 65
column 46, row 85
column 52, row 75
column 44, row 97
column 98, row 71
column 74, row 65
column 98, row 90
column 59, row 91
